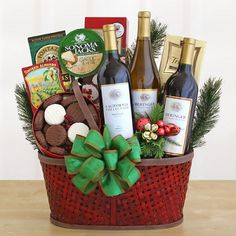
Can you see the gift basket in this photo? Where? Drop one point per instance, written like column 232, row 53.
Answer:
column 115, row 141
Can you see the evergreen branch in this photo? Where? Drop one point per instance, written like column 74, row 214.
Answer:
column 153, row 149
column 158, row 33
column 207, row 111
column 156, row 113
column 25, row 112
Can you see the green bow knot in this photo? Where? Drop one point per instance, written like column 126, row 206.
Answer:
column 99, row 159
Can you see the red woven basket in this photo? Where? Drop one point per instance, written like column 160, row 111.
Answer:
column 155, row 201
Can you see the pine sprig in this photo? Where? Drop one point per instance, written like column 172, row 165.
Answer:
column 153, row 149
column 207, row 111
column 25, row 112
column 158, row 33
column 156, row 113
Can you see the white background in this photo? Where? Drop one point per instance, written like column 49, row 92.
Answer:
column 212, row 21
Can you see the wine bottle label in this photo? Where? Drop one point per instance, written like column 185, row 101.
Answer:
column 177, row 111
column 117, row 109
column 143, row 100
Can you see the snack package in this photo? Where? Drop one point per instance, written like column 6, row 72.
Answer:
column 121, row 23
column 42, row 80
column 171, row 56
column 44, row 48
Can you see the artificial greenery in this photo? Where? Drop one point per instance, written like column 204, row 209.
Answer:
column 207, row 111
column 158, row 33
column 153, row 148
column 25, row 112
column 156, row 113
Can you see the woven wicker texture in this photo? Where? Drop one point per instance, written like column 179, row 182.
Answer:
column 156, row 199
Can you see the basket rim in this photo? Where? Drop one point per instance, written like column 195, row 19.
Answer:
column 145, row 162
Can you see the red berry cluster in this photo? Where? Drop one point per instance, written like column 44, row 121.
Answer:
column 163, row 129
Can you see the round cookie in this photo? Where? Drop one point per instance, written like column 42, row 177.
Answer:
column 52, row 100
column 77, row 128
column 68, row 100
column 41, row 139
column 57, row 150
column 54, row 114
column 45, row 128
column 39, row 120
column 75, row 112
column 56, row 135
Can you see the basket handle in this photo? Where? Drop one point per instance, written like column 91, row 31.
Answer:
column 84, row 107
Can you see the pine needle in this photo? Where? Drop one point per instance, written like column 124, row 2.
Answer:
column 158, row 34
column 156, row 113
column 25, row 113
column 207, row 111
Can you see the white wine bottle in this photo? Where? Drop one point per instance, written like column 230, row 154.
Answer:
column 145, row 80
column 114, row 87
column 181, row 92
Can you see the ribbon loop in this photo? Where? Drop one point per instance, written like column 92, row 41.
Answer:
column 94, row 143
column 73, row 164
column 128, row 172
column 111, row 185
column 83, row 184
column 78, row 148
column 135, row 154
column 92, row 169
column 111, row 159
column 122, row 145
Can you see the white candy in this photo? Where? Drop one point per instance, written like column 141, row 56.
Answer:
column 77, row 128
column 54, row 114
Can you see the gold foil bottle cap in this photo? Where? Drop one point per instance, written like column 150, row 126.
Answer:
column 189, row 41
column 109, row 27
column 188, row 51
column 109, row 32
column 144, row 14
column 144, row 24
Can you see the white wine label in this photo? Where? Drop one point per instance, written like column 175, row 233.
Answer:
column 177, row 111
column 117, row 109
column 143, row 100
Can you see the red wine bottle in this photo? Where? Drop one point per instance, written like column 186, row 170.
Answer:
column 181, row 92
column 114, row 87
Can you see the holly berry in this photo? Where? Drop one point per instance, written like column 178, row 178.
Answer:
column 161, row 131
column 167, row 130
column 160, row 123
column 141, row 123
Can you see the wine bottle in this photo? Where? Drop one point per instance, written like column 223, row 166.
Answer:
column 181, row 92
column 114, row 87
column 145, row 78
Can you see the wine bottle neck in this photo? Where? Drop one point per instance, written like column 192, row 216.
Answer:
column 110, row 37
column 112, row 54
column 187, row 54
column 144, row 28
column 185, row 68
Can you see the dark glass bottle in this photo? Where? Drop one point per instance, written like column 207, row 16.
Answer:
column 145, row 78
column 181, row 92
column 114, row 87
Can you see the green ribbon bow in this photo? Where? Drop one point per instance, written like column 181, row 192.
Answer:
column 101, row 160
